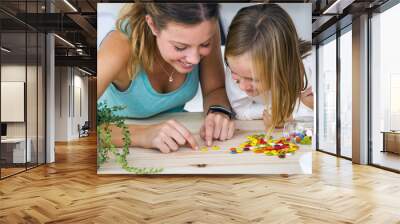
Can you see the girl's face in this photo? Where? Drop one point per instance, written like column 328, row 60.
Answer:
column 183, row 46
column 240, row 67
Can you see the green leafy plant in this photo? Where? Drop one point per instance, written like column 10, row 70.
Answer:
column 106, row 118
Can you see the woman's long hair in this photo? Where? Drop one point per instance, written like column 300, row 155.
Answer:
column 142, row 41
column 268, row 34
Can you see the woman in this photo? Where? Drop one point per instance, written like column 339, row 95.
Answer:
column 152, row 64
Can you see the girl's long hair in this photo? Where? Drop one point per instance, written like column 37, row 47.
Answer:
column 268, row 34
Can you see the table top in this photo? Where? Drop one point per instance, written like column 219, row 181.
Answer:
column 13, row 140
column 391, row 132
column 188, row 161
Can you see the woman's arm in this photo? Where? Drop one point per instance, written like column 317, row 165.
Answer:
column 216, row 125
column 212, row 77
column 112, row 59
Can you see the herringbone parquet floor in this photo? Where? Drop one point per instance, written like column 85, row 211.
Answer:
column 70, row 191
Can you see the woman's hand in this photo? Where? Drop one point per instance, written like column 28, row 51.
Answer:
column 212, row 78
column 217, row 126
column 166, row 137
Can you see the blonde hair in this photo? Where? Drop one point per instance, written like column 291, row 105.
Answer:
column 142, row 40
column 267, row 33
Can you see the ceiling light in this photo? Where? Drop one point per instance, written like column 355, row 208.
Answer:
column 5, row 50
column 337, row 7
column 84, row 71
column 70, row 5
column 65, row 41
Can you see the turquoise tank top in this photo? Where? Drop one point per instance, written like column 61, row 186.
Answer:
column 142, row 101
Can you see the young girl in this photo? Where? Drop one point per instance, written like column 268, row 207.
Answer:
column 153, row 64
column 267, row 78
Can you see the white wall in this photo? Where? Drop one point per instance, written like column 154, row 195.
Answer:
column 33, row 127
column 61, row 103
column 299, row 12
column 107, row 14
column 67, row 116
column 81, row 84
column 12, row 73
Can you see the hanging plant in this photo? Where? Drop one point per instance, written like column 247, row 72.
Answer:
column 105, row 119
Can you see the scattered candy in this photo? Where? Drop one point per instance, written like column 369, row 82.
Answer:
column 302, row 137
column 260, row 143
column 283, row 155
column 306, row 140
column 204, row 149
column 215, row 148
column 272, row 147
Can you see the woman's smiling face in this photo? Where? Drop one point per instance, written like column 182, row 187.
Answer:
column 183, row 46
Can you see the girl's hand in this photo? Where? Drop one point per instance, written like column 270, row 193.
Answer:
column 217, row 126
column 167, row 136
column 267, row 118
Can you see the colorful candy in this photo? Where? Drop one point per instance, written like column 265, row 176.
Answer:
column 215, row 148
column 260, row 143
column 272, row 147
column 306, row 140
column 304, row 137
column 204, row 149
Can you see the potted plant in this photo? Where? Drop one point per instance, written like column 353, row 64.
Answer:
column 106, row 118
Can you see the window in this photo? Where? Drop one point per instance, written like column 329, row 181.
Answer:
column 346, row 92
column 327, row 95
column 385, row 86
column 22, row 75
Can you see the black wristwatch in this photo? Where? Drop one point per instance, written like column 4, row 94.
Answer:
column 221, row 109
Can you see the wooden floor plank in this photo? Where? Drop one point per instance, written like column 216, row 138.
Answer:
column 70, row 191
